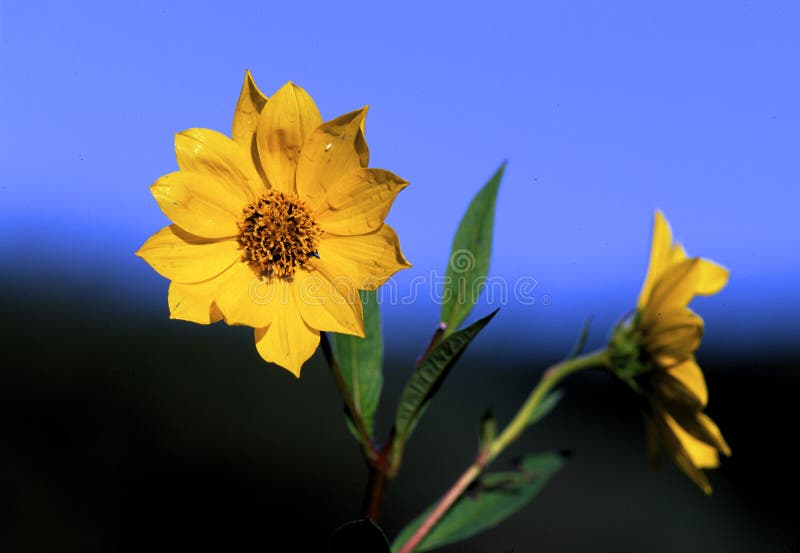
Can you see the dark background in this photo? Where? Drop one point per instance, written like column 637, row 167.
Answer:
column 123, row 432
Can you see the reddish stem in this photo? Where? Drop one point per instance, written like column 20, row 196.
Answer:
column 435, row 339
column 445, row 503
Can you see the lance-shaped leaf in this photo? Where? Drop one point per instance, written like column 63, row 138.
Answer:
column 493, row 498
column 545, row 406
column 577, row 349
column 428, row 377
column 361, row 362
column 469, row 257
column 487, row 431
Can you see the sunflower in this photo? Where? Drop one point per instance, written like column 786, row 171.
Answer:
column 277, row 228
column 653, row 351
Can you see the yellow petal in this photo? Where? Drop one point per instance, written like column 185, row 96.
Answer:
column 713, row 430
column 674, row 318
column 195, row 203
column 684, row 462
column 329, row 301
column 671, row 391
column 701, row 454
column 675, row 334
column 359, row 202
column 285, row 122
column 244, row 298
column 699, row 426
column 361, row 143
column 712, row 278
column 368, row 259
column 665, row 322
column 214, row 154
column 245, row 116
column 660, row 249
column 329, row 153
column 674, row 446
column 674, row 289
column 677, row 254
column 691, row 377
column 193, row 302
column 287, row 341
column 183, row 257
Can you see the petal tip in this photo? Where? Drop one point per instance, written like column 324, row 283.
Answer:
column 250, row 84
column 294, row 370
column 725, row 449
column 401, row 184
column 292, row 366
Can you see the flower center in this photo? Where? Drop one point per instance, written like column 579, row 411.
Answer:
column 278, row 235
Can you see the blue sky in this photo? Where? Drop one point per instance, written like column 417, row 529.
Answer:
column 604, row 111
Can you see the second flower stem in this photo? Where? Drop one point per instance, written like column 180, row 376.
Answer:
column 550, row 378
column 512, row 431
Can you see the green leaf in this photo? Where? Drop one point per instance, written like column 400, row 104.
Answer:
column 488, row 430
column 469, row 257
column 361, row 362
column 428, row 377
column 545, row 406
column 493, row 498
column 577, row 349
column 359, row 536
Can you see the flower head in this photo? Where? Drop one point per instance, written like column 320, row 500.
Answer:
column 653, row 351
column 278, row 227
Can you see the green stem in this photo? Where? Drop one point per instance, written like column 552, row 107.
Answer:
column 550, row 378
column 512, row 431
column 368, row 448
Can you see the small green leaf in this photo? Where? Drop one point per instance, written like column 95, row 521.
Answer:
column 469, row 257
column 428, row 377
column 359, row 536
column 361, row 362
column 545, row 406
column 488, row 430
column 492, row 499
column 577, row 349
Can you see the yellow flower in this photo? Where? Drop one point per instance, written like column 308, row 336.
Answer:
column 654, row 352
column 277, row 228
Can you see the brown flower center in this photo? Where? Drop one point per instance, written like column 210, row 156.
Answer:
column 278, row 235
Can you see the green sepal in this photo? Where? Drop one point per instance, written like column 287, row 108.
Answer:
column 627, row 354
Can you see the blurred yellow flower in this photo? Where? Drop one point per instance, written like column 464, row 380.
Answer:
column 654, row 352
column 277, row 228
